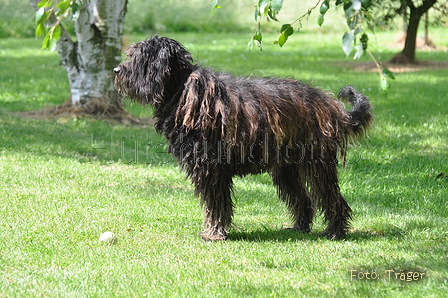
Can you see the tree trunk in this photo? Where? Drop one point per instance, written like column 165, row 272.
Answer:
column 408, row 53
column 411, row 36
column 427, row 29
column 90, row 59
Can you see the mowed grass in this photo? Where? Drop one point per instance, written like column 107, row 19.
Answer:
column 65, row 181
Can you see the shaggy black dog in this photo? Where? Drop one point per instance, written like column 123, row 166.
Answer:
column 219, row 126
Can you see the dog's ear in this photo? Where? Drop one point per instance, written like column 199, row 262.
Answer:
column 159, row 72
column 180, row 58
column 167, row 62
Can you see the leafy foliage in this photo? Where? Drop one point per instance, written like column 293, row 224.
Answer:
column 285, row 32
column 357, row 12
column 268, row 9
column 49, row 17
column 386, row 11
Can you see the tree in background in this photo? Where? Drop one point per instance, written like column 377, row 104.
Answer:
column 357, row 13
column 412, row 12
column 91, row 55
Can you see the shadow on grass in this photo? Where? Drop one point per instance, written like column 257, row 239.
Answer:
column 281, row 235
column 385, row 232
column 288, row 235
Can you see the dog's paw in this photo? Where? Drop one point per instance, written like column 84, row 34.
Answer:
column 213, row 236
column 302, row 228
column 333, row 234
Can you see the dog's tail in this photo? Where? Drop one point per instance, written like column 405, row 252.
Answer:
column 361, row 115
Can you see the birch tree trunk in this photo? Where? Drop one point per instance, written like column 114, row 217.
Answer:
column 91, row 57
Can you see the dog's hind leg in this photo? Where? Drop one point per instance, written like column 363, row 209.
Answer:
column 215, row 190
column 292, row 190
column 336, row 211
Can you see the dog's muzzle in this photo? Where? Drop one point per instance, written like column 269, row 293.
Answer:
column 117, row 70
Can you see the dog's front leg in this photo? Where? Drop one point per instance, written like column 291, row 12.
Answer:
column 215, row 190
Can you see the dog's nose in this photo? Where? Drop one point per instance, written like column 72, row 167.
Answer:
column 117, row 70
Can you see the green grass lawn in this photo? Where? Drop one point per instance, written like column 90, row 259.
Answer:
column 65, row 181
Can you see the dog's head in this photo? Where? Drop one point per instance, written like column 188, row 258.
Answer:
column 152, row 66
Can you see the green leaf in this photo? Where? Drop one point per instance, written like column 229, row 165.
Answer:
column 384, row 84
column 387, row 73
column 286, row 31
column 282, row 39
column 324, row 7
column 277, row 5
column 40, row 14
column 253, row 42
column 264, row 6
column 257, row 36
column 215, row 6
column 46, row 42
column 56, row 32
column 351, row 8
column 347, row 42
column 366, row 3
column 44, row 3
column 320, row 20
column 272, row 14
column 63, row 5
column 339, row 2
column 359, row 51
column 40, row 29
column 250, row 44
column 271, row 8
column 257, row 12
column 53, row 44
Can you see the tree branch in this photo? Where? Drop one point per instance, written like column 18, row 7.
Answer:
column 65, row 45
column 427, row 4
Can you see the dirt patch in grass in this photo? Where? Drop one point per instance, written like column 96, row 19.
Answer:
column 399, row 68
column 68, row 111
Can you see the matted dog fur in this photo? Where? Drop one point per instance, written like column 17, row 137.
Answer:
column 219, row 126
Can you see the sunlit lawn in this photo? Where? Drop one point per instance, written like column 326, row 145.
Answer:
column 65, row 181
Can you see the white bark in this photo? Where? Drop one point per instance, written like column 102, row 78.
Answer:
column 90, row 59
column 98, row 31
